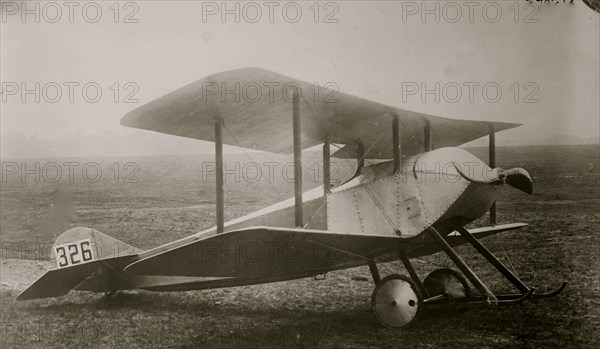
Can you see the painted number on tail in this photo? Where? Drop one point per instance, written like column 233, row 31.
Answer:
column 73, row 253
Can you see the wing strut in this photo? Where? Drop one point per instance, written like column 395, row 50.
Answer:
column 219, row 180
column 326, row 168
column 396, row 144
column 427, row 137
column 297, row 159
column 492, row 161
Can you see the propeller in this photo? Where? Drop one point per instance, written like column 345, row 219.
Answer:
column 518, row 178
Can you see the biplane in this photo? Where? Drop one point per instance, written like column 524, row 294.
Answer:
column 414, row 200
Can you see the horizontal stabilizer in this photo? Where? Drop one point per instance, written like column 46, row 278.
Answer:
column 58, row 282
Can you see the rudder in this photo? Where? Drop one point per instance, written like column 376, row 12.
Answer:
column 80, row 245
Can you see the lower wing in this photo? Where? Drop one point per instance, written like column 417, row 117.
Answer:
column 271, row 251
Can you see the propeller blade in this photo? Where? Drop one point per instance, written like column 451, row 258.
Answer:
column 519, row 179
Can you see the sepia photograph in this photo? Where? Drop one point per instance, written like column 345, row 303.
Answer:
column 300, row 174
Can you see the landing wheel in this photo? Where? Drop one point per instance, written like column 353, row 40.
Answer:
column 446, row 282
column 396, row 301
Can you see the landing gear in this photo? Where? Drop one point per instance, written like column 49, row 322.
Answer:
column 446, row 282
column 396, row 301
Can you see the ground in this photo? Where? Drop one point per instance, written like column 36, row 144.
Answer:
column 172, row 199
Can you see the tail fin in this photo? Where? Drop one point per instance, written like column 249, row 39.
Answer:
column 79, row 253
column 78, row 241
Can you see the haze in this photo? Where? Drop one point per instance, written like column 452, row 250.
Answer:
column 375, row 51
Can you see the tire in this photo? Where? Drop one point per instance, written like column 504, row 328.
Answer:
column 396, row 301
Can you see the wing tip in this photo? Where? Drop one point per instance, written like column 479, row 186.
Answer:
column 501, row 126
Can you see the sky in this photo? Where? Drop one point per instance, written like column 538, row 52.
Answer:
column 542, row 58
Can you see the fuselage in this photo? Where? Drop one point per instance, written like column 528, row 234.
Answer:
column 437, row 188
column 444, row 188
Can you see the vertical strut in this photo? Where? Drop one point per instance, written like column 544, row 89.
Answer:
column 396, row 143
column 219, row 179
column 326, row 169
column 493, row 260
column 427, row 137
column 299, row 221
column 481, row 287
column 492, row 160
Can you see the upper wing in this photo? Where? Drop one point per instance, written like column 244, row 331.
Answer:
column 255, row 105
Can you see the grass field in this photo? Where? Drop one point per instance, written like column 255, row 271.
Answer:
column 172, row 197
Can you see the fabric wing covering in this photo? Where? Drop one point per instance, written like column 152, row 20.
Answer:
column 255, row 106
